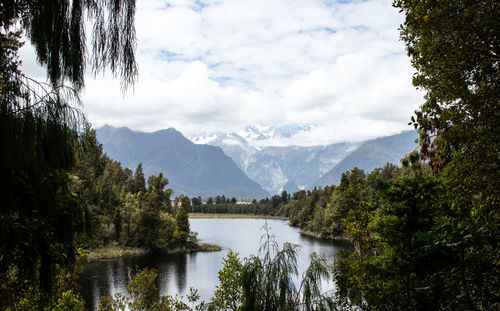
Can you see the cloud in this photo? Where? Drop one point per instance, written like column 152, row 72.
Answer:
column 223, row 64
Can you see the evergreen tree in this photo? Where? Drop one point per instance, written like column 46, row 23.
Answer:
column 139, row 184
column 182, row 219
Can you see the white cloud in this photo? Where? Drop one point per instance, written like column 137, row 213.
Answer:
column 224, row 64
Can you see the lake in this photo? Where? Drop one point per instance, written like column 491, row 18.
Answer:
column 178, row 272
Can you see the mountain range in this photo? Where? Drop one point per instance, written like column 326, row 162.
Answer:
column 243, row 163
column 303, row 167
column 297, row 167
column 191, row 169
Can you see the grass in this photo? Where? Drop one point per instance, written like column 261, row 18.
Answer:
column 209, row 215
column 195, row 247
column 111, row 252
column 206, row 247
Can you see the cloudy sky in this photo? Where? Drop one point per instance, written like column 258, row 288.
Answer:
column 224, row 64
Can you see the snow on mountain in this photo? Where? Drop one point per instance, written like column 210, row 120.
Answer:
column 274, row 167
column 204, row 139
column 259, row 133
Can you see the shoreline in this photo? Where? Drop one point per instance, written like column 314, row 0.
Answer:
column 113, row 252
column 233, row 216
column 325, row 238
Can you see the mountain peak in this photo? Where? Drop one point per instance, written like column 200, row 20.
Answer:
column 254, row 135
column 191, row 169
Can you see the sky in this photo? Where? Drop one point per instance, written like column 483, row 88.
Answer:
column 221, row 65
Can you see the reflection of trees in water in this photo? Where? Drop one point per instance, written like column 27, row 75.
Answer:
column 325, row 243
column 171, row 271
column 180, row 271
column 106, row 279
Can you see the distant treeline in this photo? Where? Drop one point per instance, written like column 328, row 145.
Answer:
column 235, row 208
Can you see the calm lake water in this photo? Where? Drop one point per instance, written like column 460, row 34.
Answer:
column 178, row 272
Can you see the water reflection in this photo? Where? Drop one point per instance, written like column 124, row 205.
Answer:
column 178, row 272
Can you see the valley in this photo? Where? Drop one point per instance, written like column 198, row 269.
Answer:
column 242, row 167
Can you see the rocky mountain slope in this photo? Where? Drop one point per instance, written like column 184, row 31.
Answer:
column 372, row 154
column 192, row 169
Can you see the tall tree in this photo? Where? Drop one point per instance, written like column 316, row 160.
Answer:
column 139, row 184
column 182, row 219
column 455, row 48
column 39, row 123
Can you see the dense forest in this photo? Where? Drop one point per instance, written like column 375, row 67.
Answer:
column 425, row 236
column 119, row 208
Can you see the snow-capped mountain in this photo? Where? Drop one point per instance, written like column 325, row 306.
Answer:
column 255, row 135
column 276, row 168
column 259, row 132
column 248, row 162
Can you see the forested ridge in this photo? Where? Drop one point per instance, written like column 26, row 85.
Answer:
column 425, row 236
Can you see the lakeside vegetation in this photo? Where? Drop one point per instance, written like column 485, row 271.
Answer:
column 108, row 253
column 112, row 252
column 425, row 235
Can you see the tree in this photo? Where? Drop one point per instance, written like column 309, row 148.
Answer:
column 155, row 226
column 37, row 208
column 284, row 196
column 455, row 48
column 39, row 125
column 228, row 294
column 267, row 280
column 57, row 30
column 196, row 201
column 396, row 269
column 139, row 184
column 182, row 219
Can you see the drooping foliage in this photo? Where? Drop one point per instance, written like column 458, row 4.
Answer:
column 57, row 31
column 268, row 280
column 37, row 206
column 40, row 125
